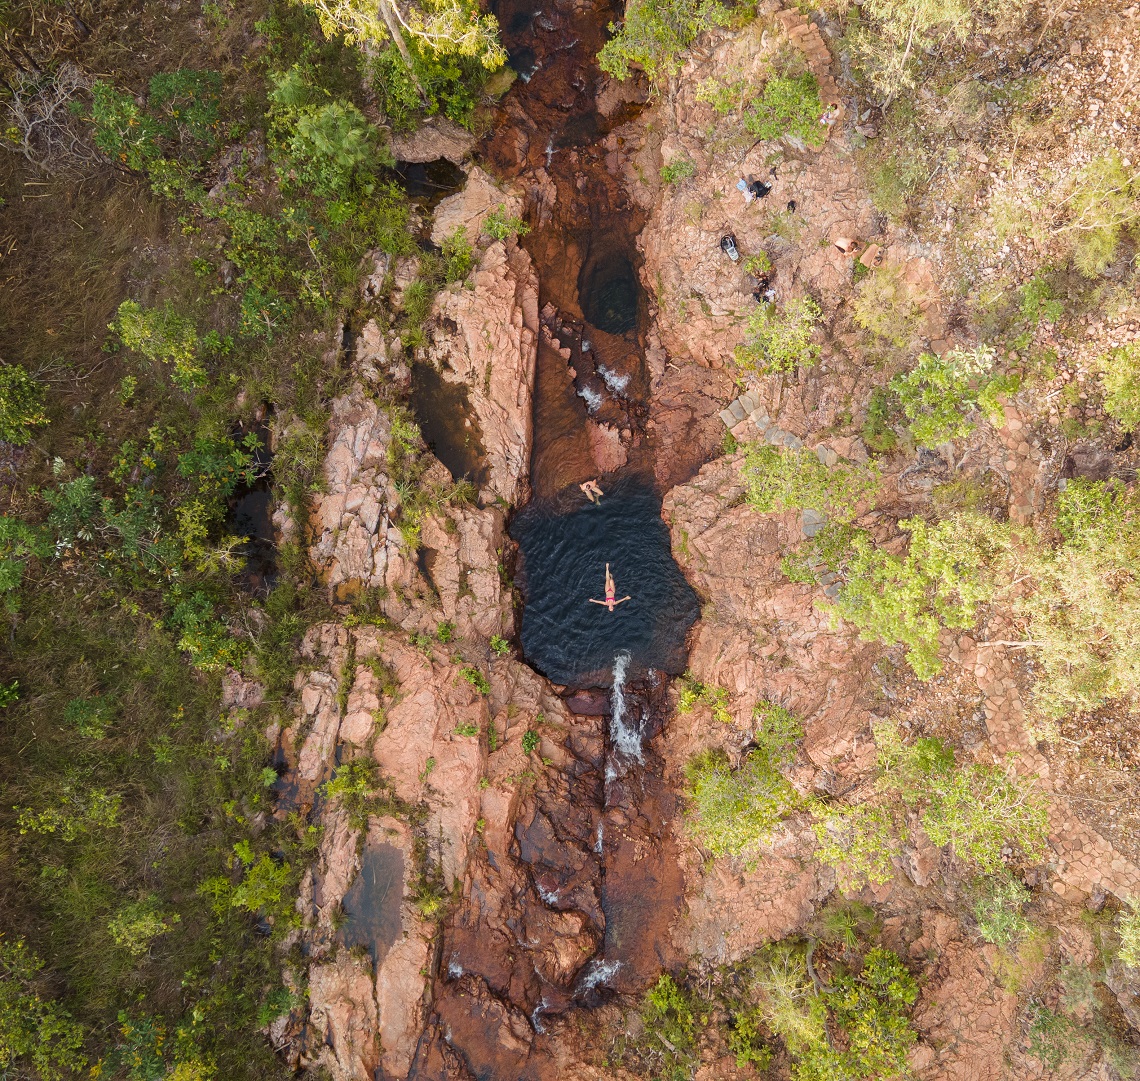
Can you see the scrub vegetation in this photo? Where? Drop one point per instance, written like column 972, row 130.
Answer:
column 199, row 229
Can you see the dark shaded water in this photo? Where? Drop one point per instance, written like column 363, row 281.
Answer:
column 564, row 549
column 427, row 182
column 373, row 901
column 609, row 292
column 447, row 422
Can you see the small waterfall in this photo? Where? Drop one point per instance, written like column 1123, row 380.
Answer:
column 614, row 382
column 626, row 738
column 597, row 973
column 591, row 397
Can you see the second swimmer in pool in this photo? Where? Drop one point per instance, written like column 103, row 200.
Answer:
column 611, row 591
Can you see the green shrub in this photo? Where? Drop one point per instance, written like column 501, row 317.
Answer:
column 776, row 731
column 1128, row 929
column 872, row 1008
column 34, row 1034
column 21, row 405
column 981, row 811
column 858, row 840
column 531, row 741
column 888, row 306
column 949, row 570
column 499, row 226
column 694, row 692
column 20, row 543
column 998, row 910
column 476, row 678
column 655, row 35
column 745, row 1040
column 788, row 1002
column 788, row 106
column 781, row 479
column 667, row 1013
column 781, row 341
column 161, row 334
column 138, row 924
column 878, row 429
column 1084, row 603
column 202, row 635
column 1102, row 204
column 677, row 170
column 732, row 811
column 77, row 809
column 500, row 646
column 1053, row 1037
column 1119, row 371
column 458, row 256
column 939, row 393
column 88, row 716
column 332, row 152
column 757, row 264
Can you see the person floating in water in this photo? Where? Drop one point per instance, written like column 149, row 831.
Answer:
column 611, row 590
column 593, row 492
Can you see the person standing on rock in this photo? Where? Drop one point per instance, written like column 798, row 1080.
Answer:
column 611, row 591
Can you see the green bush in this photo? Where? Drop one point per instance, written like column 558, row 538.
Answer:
column 998, row 910
column 981, row 811
column 332, row 152
column 531, row 741
column 499, row 226
column 939, row 393
column 677, row 170
column 788, row 106
column 34, row 1034
column 1128, row 930
column 732, row 811
column 694, row 692
column 138, row 924
column 1084, row 603
column 88, row 716
column 872, row 1008
column 162, row 335
column 888, row 306
column 458, row 256
column 21, row 405
column 781, row 479
column 655, row 35
column 781, row 341
column 1101, row 205
column 878, row 429
column 1119, row 371
column 667, row 1013
column 949, row 570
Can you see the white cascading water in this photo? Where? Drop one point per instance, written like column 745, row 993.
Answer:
column 597, row 973
column 625, row 738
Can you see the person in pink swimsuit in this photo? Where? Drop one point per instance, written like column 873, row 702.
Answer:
column 610, row 602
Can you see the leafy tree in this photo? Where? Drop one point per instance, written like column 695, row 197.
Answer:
column 332, row 151
column 777, row 478
column 949, row 570
column 21, row 405
column 733, row 810
column 656, row 34
column 1084, row 604
column 33, row 1032
column 444, row 27
column 781, row 341
column 939, row 394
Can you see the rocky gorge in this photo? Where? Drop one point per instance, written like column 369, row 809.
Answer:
column 526, row 863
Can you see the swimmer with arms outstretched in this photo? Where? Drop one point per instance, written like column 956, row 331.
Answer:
column 611, row 590
column 593, row 492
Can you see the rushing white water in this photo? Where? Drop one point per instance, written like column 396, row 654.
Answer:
column 626, row 738
column 614, row 381
column 592, row 399
column 598, row 840
column 535, row 1022
column 549, row 150
column 549, row 897
column 598, row 972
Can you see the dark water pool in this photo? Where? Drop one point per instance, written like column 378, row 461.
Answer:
column 372, row 903
column 608, row 291
column 564, row 548
column 443, row 412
